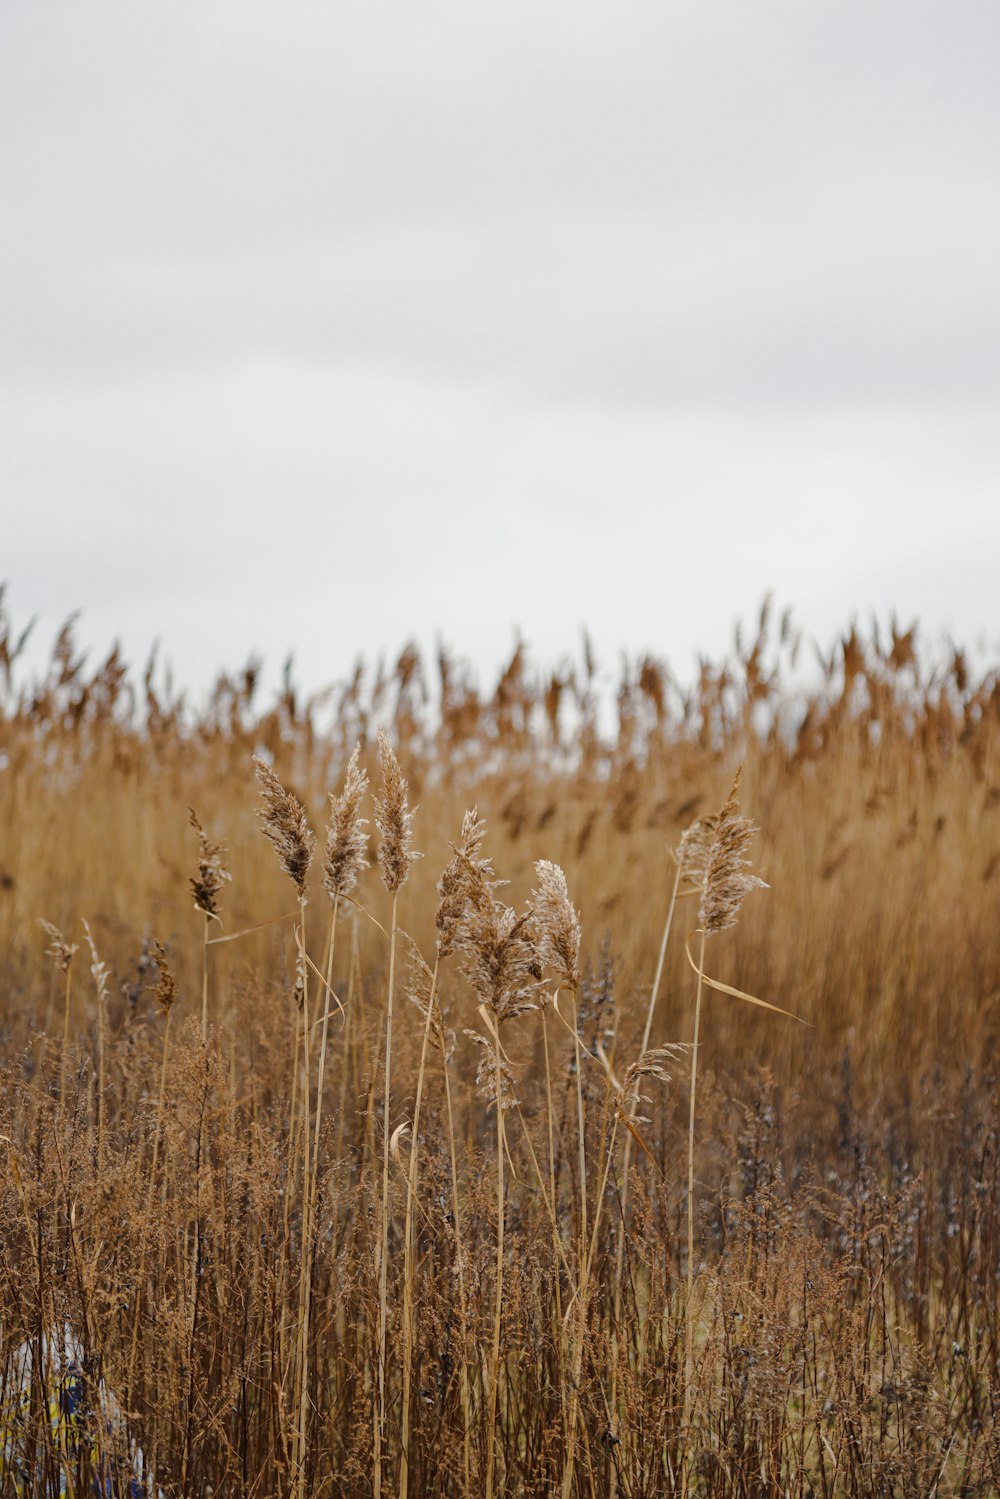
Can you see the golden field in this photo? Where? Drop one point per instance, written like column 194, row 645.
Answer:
column 299, row 1278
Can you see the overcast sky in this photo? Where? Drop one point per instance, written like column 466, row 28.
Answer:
column 327, row 325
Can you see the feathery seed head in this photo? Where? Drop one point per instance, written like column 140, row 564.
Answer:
column 726, row 883
column 59, row 950
column 347, row 837
column 166, row 987
column 694, row 848
column 212, row 874
column 394, row 820
column 453, row 886
column 500, row 948
column 653, row 1063
column 285, row 825
column 494, row 1078
column 99, row 971
column 557, row 924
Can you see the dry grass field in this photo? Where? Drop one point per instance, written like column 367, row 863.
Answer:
column 330, row 1171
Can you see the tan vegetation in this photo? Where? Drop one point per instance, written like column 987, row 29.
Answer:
column 319, row 1240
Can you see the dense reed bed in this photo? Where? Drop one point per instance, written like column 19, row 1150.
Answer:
column 354, row 1173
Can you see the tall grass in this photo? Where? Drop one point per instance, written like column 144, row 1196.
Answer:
column 370, row 1272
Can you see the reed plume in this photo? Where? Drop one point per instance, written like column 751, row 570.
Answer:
column 453, row 884
column 285, row 825
column 725, row 883
column 557, row 924
column 347, row 836
column 394, row 820
column 206, row 885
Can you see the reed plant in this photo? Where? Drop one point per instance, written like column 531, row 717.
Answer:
column 586, row 1226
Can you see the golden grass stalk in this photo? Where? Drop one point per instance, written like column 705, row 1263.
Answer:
column 101, row 975
column 62, row 954
column 689, row 861
column 394, row 821
column 206, row 886
column 285, row 825
column 166, row 993
column 426, row 997
column 503, row 963
column 452, row 889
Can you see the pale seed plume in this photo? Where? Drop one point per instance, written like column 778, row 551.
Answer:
column 347, row 835
column 453, row 886
column 99, row 971
column 59, row 950
column 726, row 882
column 394, row 820
column 285, row 825
column 694, row 848
column 653, row 1063
column 557, row 924
column 500, row 948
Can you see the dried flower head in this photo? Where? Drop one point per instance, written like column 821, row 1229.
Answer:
column 653, row 1063
column 393, row 819
column 59, row 950
column 166, row 986
column 99, row 972
column 212, row 874
column 453, row 886
column 694, row 848
column 494, row 1078
column 557, row 924
column 726, row 883
column 285, row 825
column 502, row 960
column 347, row 838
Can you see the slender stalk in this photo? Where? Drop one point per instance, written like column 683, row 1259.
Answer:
column 583, row 1299
column 688, row 1308
column 384, row 1247
column 65, row 1040
column 633, row 1104
column 149, row 1203
column 581, row 1127
column 557, row 1247
column 463, row 1308
column 408, row 1251
column 204, row 982
column 305, row 1278
column 495, row 1367
column 321, row 1069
